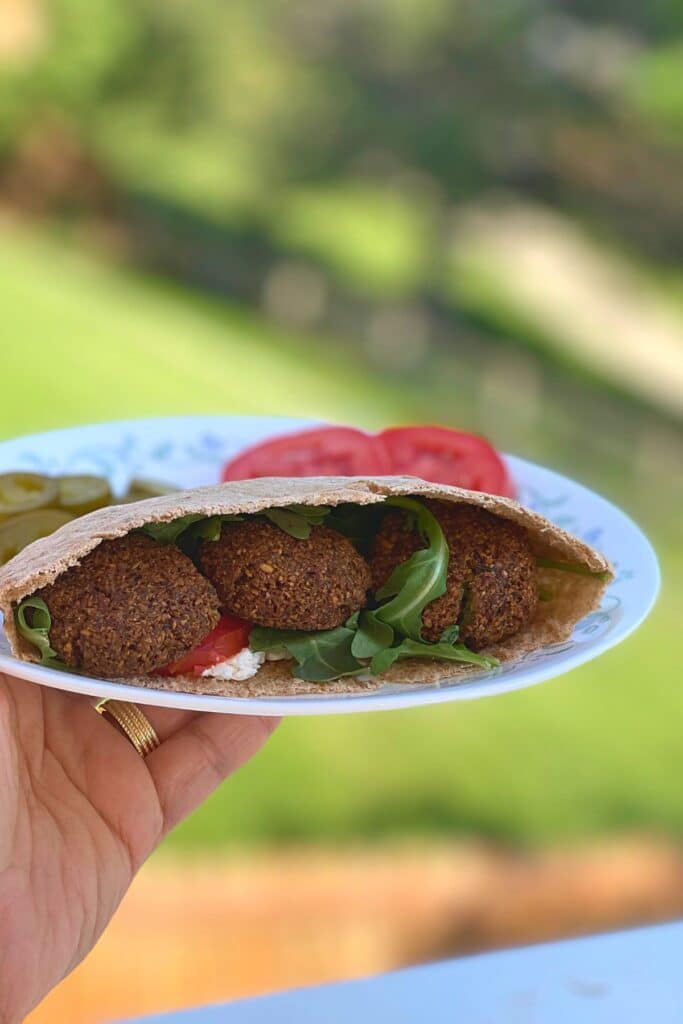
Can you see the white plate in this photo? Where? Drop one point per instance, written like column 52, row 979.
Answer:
column 189, row 451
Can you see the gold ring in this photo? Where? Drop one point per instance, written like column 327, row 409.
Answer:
column 132, row 723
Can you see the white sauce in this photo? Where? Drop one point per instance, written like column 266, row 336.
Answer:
column 242, row 665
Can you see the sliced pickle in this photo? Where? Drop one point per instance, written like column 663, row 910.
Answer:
column 81, row 494
column 24, row 492
column 18, row 531
column 139, row 489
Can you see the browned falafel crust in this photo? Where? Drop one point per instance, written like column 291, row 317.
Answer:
column 491, row 587
column 130, row 607
column 264, row 575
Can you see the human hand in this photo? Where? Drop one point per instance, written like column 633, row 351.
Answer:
column 80, row 810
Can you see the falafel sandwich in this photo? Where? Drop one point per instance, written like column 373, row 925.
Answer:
column 276, row 586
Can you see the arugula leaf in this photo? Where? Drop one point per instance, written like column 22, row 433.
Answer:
column 188, row 531
column 372, row 635
column 408, row 648
column 168, row 533
column 575, row 567
column 450, row 634
column 325, row 655
column 330, row 654
column 297, row 520
column 359, row 523
column 321, row 656
column 265, row 638
column 38, row 632
column 208, row 528
column 419, row 580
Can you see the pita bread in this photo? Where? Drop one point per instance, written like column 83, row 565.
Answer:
column 574, row 596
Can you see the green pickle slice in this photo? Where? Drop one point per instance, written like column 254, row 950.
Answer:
column 139, row 489
column 81, row 494
column 33, row 505
column 17, row 532
column 24, row 492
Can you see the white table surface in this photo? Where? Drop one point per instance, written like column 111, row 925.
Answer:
column 630, row 977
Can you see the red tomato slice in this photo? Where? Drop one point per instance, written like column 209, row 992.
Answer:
column 323, row 451
column 448, row 457
column 230, row 636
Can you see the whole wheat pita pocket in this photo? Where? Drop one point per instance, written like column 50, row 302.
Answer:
column 574, row 595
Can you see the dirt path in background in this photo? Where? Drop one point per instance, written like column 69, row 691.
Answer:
column 590, row 303
column 205, row 931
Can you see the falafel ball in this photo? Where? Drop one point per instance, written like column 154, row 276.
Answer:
column 131, row 606
column 491, row 588
column 264, row 575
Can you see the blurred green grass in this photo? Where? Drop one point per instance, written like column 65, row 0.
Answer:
column 104, row 343
column 589, row 753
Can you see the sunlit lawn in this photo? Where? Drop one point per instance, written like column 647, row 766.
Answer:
column 82, row 342
column 594, row 751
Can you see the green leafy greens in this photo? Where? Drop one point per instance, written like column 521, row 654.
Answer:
column 297, row 520
column 372, row 635
column 416, row 582
column 385, row 634
column 203, row 529
column 189, row 530
column 168, row 533
column 358, row 523
column 408, row 648
column 38, row 631
column 332, row 653
column 321, row 656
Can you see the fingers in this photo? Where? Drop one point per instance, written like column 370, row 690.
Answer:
column 198, row 750
column 197, row 756
column 165, row 721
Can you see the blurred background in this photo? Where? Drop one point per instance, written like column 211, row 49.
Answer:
column 375, row 212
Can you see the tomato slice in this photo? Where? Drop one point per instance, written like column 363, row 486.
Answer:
column 323, row 451
column 448, row 457
column 229, row 636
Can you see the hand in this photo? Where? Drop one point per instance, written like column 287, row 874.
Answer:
column 80, row 811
